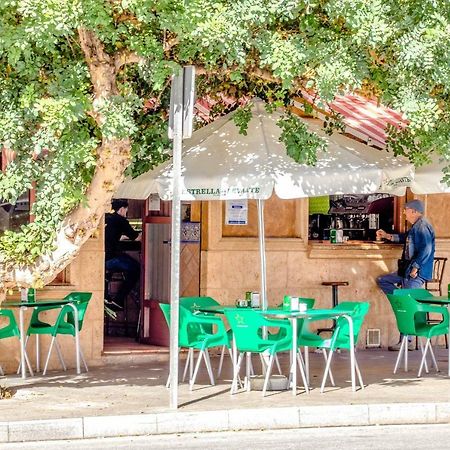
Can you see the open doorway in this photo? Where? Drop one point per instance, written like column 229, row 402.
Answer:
column 123, row 303
column 140, row 326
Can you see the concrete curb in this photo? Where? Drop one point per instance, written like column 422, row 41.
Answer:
column 225, row 420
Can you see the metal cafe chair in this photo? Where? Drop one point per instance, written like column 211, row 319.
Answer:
column 435, row 284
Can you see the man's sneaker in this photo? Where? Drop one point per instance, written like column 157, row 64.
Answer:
column 113, row 305
column 396, row 347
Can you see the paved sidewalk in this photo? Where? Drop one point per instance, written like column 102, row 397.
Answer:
column 131, row 399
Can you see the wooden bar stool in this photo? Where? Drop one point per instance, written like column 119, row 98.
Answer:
column 335, row 300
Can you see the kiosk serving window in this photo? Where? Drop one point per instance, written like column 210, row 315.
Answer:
column 358, row 216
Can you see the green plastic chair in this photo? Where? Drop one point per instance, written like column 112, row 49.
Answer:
column 246, row 325
column 11, row 330
column 193, row 303
column 340, row 339
column 422, row 317
column 64, row 324
column 409, row 314
column 194, row 334
column 425, row 318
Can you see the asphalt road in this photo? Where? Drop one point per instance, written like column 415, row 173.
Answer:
column 409, row 437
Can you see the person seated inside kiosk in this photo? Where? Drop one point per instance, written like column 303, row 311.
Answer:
column 117, row 227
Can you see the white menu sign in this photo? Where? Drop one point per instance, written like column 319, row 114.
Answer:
column 154, row 202
column 236, row 212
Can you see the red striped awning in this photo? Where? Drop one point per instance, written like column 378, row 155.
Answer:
column 203, row 106
column 364, row 118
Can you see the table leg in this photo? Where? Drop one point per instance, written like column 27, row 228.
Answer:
column 248, row 362
column 38, row 368
column 22, row 343
column 235, row 375
column 352, row 351
column 335, row 295
column 77, row 336
column 294, row 356
column 448, row 340
column 307, row 364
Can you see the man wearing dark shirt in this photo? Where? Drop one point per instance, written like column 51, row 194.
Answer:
column 116, row 226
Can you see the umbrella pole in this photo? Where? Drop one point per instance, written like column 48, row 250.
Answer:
column 177, row 92
column 262, row 253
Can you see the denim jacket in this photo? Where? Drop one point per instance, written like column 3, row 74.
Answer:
column 419, row 247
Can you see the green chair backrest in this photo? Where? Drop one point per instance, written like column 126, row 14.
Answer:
column 65, row 322
column 405, row 309
column 182, row 337
column 309, row 302
column 81, row 300
column 341, row 335
column 195, row 302
column 414, row 293
column 420, row 318
column 165, row 308
column 246, row 324
column 11, row 329
column 192, row 303
column 189, row 332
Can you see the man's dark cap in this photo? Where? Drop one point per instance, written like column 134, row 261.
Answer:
column 118, row 203
column 417, row 205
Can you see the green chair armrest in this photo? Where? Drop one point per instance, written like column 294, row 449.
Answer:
column 434, row 309
column 278, row 323
column 64, row 310
column 210, row 320
column 40, row 309
column 205, row 319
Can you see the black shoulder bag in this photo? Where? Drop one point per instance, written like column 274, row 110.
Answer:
column 403, row 263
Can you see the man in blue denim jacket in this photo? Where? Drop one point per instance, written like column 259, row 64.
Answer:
column 419, row 251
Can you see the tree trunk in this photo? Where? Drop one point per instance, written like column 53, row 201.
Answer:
column 113, row 158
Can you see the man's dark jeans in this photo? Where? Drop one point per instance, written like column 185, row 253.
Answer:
column 389, row 282
column 131, row 270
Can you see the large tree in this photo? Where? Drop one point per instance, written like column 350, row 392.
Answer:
column 84, row 90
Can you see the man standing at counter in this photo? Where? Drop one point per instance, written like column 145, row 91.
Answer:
column 416, row 265
column 117, row 226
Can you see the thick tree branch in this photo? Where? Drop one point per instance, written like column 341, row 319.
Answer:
column 125, row 57
column 100, row 63
column 251, row 71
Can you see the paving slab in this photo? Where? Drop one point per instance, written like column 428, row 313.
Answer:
column 131, row 399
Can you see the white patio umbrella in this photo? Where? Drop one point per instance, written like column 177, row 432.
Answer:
column 428, row 179
column 219, row 163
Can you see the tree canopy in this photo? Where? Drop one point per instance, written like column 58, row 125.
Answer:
column 84, row 91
